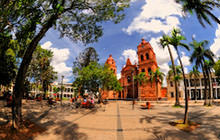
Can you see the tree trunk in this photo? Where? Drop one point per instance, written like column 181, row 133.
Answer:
column 195, row 92
column 177, row 103
column 210, row 87
column 205, row 80
column 186, row 94
column 19, row 83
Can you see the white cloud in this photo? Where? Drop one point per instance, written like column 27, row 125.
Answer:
column 186, row 70
column 185, row 60
column 164, row 68
column 131, row 54
column 215, row 48
column 133, row 1
column 60, row 56
column 154, row 19
column 118, row 76
column 194, row 36
column 162, row 55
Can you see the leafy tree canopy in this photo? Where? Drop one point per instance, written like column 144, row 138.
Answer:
column 217, row 68
column 95, row 76
column 84, row 59
column 202, row 8
column 9, row 51
column 40, row 69
column 77, row 19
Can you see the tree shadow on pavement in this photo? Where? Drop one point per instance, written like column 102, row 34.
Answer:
column 69, row 131
column 209, row 128
column 167, row 134
column 64, row 130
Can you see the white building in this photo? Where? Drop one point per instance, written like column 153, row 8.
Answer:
column 68, row 91
column 200, row 88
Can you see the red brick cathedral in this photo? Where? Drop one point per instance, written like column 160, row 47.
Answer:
column 131, row 89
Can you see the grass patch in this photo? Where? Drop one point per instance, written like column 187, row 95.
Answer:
column 177, row 106
column 190, row 126
column 208, row 105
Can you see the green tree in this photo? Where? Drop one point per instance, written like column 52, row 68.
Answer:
column 8, row 66
column 175, row 75
column 175, row 40
column 194, row 73
column 157, row 77
column 84, row 59
column 94, row 77
column 202, row 9
column 31, row 19
column 209, row 67
column 217, row 68
column 40, row 68
column 199, row 55
column 56, row 89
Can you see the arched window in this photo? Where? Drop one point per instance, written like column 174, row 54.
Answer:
column 147, row 56
column 149, row 71
column 129, row 79
column 142, row 58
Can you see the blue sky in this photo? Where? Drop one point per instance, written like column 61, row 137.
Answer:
column 148, row 19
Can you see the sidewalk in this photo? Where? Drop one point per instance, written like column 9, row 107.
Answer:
column 118, row 121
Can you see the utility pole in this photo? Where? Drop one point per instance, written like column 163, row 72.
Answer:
column 61, row 89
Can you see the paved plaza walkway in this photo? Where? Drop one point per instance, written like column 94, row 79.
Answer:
column 118, row 121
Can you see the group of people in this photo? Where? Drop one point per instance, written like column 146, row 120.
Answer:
column 85, row 102
column 88, row 103
column 91, row 100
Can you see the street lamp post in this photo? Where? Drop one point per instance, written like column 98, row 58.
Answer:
column 62, row 89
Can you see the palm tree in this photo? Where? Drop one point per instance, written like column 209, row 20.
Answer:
column 209, row 64
column 202, row 9
column 164, row 42
column 141, row 78
column 175, row 41
column 176, row 79
column 157, row 76
column 195, row 74
column 198, row 56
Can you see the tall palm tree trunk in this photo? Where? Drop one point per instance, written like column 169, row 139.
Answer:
column 212, row 95
column 177, row 103
column 195, row 92
column 210, row 87
column 185, row 88
column 205, row 80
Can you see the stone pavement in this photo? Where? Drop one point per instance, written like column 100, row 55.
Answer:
column 118, row 121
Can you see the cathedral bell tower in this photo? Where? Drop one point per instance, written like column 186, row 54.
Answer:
column 146, row 57
column 147, row 63
column 111, row 63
